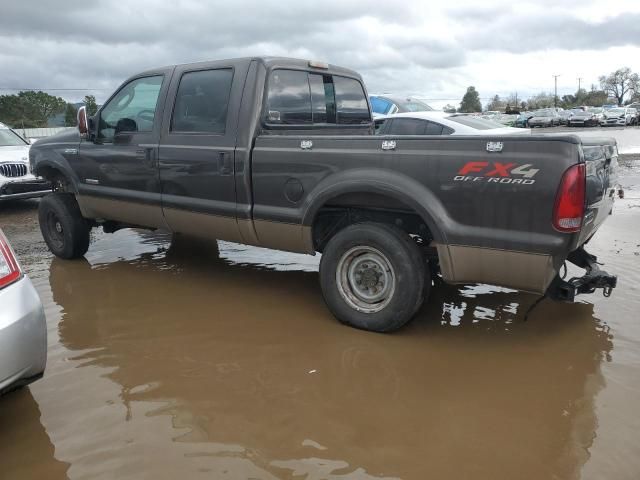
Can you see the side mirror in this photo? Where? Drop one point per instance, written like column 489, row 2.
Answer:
column 83, row 123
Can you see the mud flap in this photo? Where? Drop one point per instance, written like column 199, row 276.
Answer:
column 594, row 278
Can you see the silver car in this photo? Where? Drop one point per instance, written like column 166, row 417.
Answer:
column 23, row 332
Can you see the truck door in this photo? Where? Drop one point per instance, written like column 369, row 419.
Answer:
column 197, row 150
column 117, row 169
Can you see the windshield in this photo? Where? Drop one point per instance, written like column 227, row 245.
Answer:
column 478, row 123
column 596, row 110
column 577, row 111
column 10, row 139
column 616, row 111
column 544, row 113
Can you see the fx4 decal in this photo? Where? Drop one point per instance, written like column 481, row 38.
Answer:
column 497, row 172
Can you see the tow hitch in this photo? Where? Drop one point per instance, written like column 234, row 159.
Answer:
column 566, row 290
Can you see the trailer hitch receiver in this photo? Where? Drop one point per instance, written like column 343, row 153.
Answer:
column 594, row 278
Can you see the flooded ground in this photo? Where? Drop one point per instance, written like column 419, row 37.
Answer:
column 193, row 361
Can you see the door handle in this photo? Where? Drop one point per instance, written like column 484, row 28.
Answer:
column 224, row 164
column 147, row 155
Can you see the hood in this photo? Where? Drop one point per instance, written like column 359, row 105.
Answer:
column 17, row 154
column 69, row 135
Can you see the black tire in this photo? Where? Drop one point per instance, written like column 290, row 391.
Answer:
column 410, row 280
column 65, row 231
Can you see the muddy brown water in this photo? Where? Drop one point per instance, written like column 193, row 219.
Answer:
column 188, row 360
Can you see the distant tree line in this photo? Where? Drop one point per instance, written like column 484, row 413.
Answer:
column 30, row 109
column 621, row 87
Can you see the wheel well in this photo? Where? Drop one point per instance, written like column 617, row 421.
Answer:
column 350, row 208
column 59, row 181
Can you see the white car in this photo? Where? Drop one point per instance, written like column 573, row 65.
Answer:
column 16, row 181
column 441, row 123
column 620, row 116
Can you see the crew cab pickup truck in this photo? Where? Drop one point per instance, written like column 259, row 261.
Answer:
column 281, row 153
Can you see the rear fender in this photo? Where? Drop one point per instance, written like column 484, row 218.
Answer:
column 384, row 182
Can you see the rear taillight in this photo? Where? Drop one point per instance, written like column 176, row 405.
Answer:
column 568, row 211
column 9, row 268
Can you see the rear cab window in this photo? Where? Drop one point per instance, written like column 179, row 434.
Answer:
column 301, row 98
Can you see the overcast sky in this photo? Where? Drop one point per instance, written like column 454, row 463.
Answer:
column 408, row 47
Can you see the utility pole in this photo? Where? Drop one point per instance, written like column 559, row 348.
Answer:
column 579, row 80
column 555, row 90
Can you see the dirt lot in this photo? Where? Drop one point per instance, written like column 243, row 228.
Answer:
column 192, row 361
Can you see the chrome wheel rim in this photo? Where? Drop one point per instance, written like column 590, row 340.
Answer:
column 366, row 279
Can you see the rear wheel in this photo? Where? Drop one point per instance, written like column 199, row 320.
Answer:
column 65, row 231
column 373, row 277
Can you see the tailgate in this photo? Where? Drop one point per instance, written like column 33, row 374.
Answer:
column 601, row 159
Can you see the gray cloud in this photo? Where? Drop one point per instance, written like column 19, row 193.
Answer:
column 395, row 45
column 520, row 33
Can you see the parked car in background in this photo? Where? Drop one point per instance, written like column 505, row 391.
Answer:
column 440, row 123
column 390, row 104
column 16, row 180
column 505, row 119
column 565, row 116
column 636, row 105
column 23, row 332
column 523, row 119
column 635, row 114
column 547, row 117
column 620, row 116
column 598, row 112
column 582, row 118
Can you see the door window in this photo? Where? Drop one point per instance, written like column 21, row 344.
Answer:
column 202, row 102
column 407, row 126
column 132, row 109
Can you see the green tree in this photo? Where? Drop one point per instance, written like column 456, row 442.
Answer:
column 541, row 100
column 70, row 115
column 90, row 103
column 29, row 109
column 620, row 83
column 496, row 103
column 449, row 108
column 470, row 101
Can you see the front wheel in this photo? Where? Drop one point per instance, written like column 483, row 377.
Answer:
column 65, row 231
column 373, row 277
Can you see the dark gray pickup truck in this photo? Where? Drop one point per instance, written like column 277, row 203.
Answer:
column 281, row 153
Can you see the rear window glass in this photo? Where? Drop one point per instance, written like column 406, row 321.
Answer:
column 303, row 98
column 289, row 98
column 475, row 122
column 351, row 103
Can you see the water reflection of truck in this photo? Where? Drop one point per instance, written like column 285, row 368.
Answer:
column 280, row 153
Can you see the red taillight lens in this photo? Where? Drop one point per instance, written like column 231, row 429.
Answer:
column 9, row 268
column 568, row 211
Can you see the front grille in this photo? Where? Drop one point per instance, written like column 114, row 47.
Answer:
column 13, row 170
